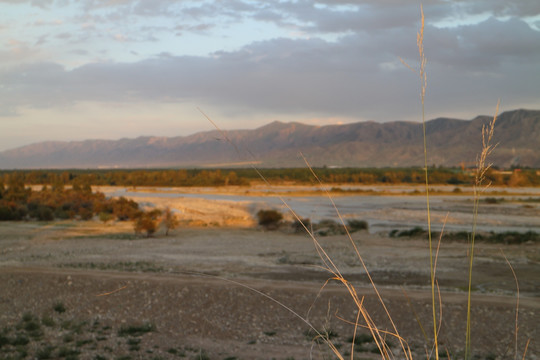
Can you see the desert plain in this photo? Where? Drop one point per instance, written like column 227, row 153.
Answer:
column 221, row 287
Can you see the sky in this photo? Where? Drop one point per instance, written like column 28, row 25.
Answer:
column 110, row 69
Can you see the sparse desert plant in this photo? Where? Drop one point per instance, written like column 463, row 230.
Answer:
column 169, row 220
column 327, row 227
column 147, row 222
column 492, row 200
column 357, row 225
column 136, row 330
column 360, row 339
column 59, row 307
column 269, row 219
column 298, row 225
column 415, row 231
column 320, row 336
column 105, row 217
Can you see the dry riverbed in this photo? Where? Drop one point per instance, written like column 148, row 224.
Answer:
column 92, row 291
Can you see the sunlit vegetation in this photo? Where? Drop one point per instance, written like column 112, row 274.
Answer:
column 18, row 202
column 247, row 176
column 77, row 202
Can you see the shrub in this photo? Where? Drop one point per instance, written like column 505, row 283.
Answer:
column 105, row 217
column 269, row 218
column 514, row 237
column 169, row 221
column 415, row 231
column 298, row 227
column 43, row 213
column 47, row 321
column 147, row 222
column 59, row 307
column 20, row 340
column 13, row 212
column 327, row 227
column 360, row 339
column 45, row 352
column 4, row 340
column 136, row 330
column 356, row 225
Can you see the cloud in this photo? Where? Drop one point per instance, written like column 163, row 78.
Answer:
column 347, row 66
column 485, row 46
column 202, row 28
column 358, row 75
column 521, row 8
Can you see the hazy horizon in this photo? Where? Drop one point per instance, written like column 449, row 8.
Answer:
column 95, row 69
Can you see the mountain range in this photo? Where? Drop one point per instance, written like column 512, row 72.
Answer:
column 450, row 142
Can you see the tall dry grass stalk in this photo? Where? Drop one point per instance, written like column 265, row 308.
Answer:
column 421, row 72
column 482, row 166
column 516, row 325
column 423, row 86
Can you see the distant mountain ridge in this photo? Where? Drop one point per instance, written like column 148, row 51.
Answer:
column 451, row 142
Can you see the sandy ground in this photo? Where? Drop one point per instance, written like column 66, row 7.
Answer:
column 205, row 290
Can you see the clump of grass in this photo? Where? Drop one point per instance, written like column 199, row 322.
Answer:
column 4, row 340
column 59, row 307
column 68, row 338
column 130, row 266
column 202, row 355
column 20, row 340
column 513, row 237
column 136, row 330
column 320, row 336
column 31, row 325
column 327, row 227
column 82, row 342
column 415, row 231
column 360, row 339
column 505, row 237
column 68, row 353
column 45, row 352
column 492, row 200
column 47, row 321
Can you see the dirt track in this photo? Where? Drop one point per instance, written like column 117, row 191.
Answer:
column 147, row 281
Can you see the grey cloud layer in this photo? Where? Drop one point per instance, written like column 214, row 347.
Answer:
column 358, row 75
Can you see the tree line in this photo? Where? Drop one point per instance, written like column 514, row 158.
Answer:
column 19, row 202
column 248, row 176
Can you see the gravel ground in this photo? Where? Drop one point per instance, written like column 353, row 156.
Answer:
column 88, row 291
